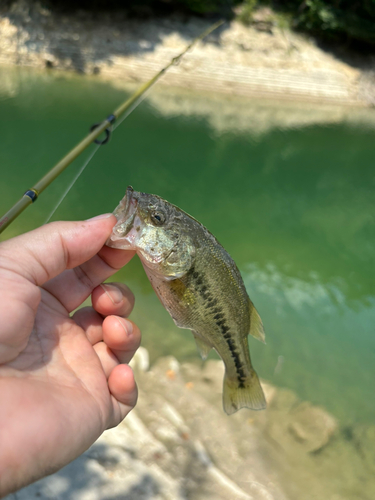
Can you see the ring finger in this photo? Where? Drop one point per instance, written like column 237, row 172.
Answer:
column 122, row 336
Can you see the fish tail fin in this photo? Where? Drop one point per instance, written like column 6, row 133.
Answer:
column 247, row 394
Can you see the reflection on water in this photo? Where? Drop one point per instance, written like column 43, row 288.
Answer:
column 294, row 206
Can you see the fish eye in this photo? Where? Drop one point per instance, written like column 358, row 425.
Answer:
column 157, row 217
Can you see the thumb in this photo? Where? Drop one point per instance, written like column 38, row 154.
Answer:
column 42, row 254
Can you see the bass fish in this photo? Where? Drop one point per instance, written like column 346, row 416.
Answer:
column 199, row 285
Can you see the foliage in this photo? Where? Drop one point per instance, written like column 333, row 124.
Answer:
column 207, row 6
column 246, row 11
column 334, row 19
column 202, row 7
column 338, row 19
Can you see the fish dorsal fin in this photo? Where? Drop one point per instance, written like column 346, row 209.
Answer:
column 202, row 345
column 256, row 325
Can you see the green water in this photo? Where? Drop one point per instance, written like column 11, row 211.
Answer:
column 293, row 206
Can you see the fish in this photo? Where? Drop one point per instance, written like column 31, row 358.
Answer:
column 199, row 284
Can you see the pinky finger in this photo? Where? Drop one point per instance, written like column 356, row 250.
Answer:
column 123, row 388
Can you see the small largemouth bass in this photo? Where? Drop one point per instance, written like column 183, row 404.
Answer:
column 198, row 283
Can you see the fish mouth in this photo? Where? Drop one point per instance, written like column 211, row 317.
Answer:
column 122, row 210
column 126, row 215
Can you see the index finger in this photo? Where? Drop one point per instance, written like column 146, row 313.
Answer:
column 73, row 286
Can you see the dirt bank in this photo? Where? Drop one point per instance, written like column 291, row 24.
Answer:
column 235, row 59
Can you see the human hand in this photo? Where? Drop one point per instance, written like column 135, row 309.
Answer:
column 63, row 380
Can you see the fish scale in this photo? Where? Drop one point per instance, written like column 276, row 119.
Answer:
column 199, row 284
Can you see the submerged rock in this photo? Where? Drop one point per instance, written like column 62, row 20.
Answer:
column 303, row 425
column 312, row 426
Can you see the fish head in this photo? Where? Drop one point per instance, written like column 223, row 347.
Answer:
column 155, row 229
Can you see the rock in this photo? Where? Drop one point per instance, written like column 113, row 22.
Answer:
column 298, row 426
column 141, row 360
column 311, row 426
column 178, row 443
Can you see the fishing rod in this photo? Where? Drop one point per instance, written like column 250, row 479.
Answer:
column 32, row 194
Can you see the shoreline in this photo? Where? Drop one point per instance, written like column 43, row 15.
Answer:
column 234, row 60
column 224, row 113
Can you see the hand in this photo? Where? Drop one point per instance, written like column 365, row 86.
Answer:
column 63, row 380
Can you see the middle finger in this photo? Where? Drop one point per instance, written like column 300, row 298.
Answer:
column 113, row 298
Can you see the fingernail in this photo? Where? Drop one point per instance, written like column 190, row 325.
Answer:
column 127, row 326
column 113, row 293
column 102, row 216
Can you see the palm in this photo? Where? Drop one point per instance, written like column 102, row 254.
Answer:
column 59, row 350
column 60, row 360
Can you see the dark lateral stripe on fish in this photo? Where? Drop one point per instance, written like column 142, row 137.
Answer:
column 233, row 352
column 198, row 280
column 219, row 317
column 239, row 367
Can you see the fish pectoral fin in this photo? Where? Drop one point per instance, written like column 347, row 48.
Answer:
column 246, row 394
column 203, row 347
column 256, row 325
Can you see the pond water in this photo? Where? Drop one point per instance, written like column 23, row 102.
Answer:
column 293, row 205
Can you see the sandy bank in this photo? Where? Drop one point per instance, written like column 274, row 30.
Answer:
column 235, row 60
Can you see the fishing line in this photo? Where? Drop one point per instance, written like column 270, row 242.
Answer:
column 132, row 108
column 91, row 156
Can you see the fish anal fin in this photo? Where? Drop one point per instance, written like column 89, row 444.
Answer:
column 256, row 325
column 247, row 394
column 203, row 347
